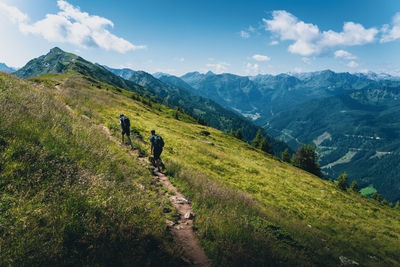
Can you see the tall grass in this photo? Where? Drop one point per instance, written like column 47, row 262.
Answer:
column 237, row 231
column 69, row 196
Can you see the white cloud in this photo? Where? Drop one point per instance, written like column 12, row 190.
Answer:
column 252, row 69
column 182, row 59
column 73, row 26
column 244, row 34
column 15, row 15
column 219, row 67
column 309, row 40
column 275, row 42
column 344, row 54
column 261, row 58
column 352, row 64
column 391, row 33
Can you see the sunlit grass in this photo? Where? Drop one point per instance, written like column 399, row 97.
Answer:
column 318, row 217
column 69, row 196
column 251, row 208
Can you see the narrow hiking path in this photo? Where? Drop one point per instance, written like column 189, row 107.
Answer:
column 182, row 231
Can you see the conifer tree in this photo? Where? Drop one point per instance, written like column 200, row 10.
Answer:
column 239, row 134
column 397, row 206
column 201, row 121
column 342, row 181
column 285, row 155
column 354, row 187
column 231, row 132
column 257, row 140
column 264, row 145
column 306, row 158
column 293, row 159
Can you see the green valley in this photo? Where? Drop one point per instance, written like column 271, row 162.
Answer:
column 352, row 118
column 357, row 133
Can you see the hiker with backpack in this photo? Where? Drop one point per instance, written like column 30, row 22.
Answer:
column 126, row 128
column 157, row 144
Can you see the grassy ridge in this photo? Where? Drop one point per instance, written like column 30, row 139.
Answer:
column 68, row 195
column 251, row 209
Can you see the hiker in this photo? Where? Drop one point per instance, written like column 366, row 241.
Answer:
column 157, row 144
column 126, row 128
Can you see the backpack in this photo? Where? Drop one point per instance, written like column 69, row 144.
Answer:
column 126, row 124
column 158, row 142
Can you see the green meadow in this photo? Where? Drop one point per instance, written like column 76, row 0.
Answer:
column 69, row 195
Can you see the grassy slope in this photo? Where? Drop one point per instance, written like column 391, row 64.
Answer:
column 251, row 209
column 68, row 195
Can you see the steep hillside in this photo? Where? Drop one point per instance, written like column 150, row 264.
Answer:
column 357, row 133
column 214, row 114
column 58, row 61
column 251, row 209
column 68, row 195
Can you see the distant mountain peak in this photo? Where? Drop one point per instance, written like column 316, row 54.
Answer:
column 210, row 73
column 56, row 50
column 376, row 76
column 327, row 71
column 5, row 68
column 160, row 74
column 192, row 73
column 55, row 61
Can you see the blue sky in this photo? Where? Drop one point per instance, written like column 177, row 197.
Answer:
column 241, row 37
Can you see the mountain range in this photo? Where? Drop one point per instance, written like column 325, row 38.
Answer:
column 347, row 116
column 6, row 69
column 351, row 118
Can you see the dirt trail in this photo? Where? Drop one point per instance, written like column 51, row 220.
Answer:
column 182, row 231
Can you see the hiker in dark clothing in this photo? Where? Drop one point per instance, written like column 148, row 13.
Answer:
column 157, row 144
column 126, row 128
